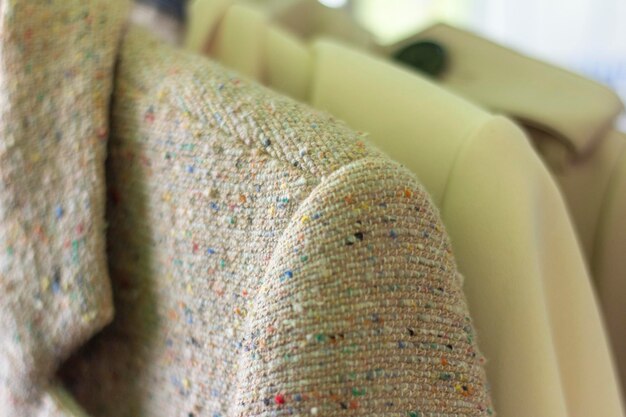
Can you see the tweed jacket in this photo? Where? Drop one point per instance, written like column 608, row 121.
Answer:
column 264, row 259
column 525, row 276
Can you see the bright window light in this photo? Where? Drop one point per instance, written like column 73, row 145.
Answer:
column 335, row 4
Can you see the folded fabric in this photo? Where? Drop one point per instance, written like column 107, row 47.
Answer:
column 56, row 61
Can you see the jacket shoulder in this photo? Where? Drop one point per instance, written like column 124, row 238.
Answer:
column 362, row 282
column 209, row 99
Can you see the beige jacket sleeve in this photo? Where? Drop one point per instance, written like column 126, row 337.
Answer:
column 533, row 271
column 571, row 127
column 609, row 266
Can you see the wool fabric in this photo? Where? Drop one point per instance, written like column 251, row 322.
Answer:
column 263, row 259
column 267, row 261
column 56, row 61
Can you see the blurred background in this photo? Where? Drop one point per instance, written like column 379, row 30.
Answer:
column 586, row 36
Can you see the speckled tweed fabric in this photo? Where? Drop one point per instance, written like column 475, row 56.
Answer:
column 266, row 261
column 56, row 61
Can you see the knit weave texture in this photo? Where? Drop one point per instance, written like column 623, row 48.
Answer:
column 266, row 261
column 56, row 61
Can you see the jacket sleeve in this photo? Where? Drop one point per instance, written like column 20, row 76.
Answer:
column 609, row 266
column 361, row 308
column 56, row 70
column 528, row 286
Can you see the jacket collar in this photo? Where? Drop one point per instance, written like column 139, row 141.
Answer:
column 569, row 107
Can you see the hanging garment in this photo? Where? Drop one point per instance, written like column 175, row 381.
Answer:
column 570, row 120
column 526, row 282
column 57, row 60
column 306, row 18
column 264, row 258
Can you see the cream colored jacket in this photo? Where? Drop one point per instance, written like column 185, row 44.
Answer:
column 526, row 281
column 571, row 121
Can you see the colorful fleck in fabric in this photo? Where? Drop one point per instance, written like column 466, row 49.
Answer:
column 266, row 261
column 56, row 61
